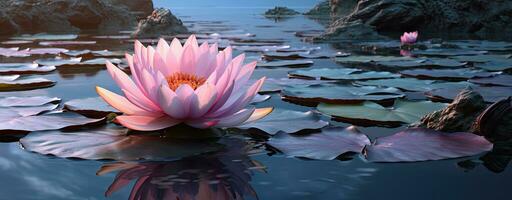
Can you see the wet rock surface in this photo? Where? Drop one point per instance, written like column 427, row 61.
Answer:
column 458, row 116
column 474, row 17
column 65, row 16
column 141, row 8
column 161, row 21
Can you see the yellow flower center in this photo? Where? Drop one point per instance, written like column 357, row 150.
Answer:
column 177, row 79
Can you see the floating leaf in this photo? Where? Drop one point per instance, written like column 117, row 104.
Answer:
column 12, row 83
column 93, row 107
column 15, row 113
column 112, row 142
column 293, row 55
column 369, row 113
column 502, row 79
column 52, row 121
column 44, row 36
column 260, row 48
column 422, row 62
column 42, row 51
column 328, row 93
column 60, row 43
column 490, row 94
column 16, row 42
column 340, row 74
column 281, row 120
column 419, row 144
column 276, row 85
column 27, row 101
column 325, row 145
column 495, row 65
column 319, row 73
column 449, row 74
column 287, row 63
column 447, row 52
column 412, row 84
column 13, row 52
column 482, row 45
column 370, row 59
column 481, row 58
column 24, row 68
column 58, row 61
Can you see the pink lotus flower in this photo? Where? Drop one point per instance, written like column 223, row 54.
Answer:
column 191, row 84
column 409, row 38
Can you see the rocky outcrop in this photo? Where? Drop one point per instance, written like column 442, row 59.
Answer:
column 280, row 13
column 457, row 116
column 160, row 22
column 64, row 16
column 469, row 113
column 140, row 8
column 478, row 17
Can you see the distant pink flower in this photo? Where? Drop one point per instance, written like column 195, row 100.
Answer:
column 409, row 38
column 191, row 84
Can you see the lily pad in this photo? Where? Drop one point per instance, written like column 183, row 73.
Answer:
column 502, row 79
column 325, row 145
column 286, row 63
column 370, row 59
column 419, row 144
column 58, row 61
column 42, row 51
column 481, row 58
column 482, row 45
column 423, row 62
column 341, row 74
column 260, row 48
column 369, row 113
column 113, row 143
column 490, row 94
column 54, row 121
column 27, row 101
column 24, row 68
column 495, row 65
column 93, row 107
column 276, row 85
column 293, row 55
column 60, row 43
column 447, row 52
column 97, row 62
column 44, row 36
column 16, row 84
column 288, row 121
column 15, row 113
column 329, row 93
column 412, row 84
column 448, row 74
column 319, row 73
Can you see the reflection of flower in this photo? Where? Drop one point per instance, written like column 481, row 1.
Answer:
column 409, row 37
column 221, row 176
column 406, row 53
column 192, row 84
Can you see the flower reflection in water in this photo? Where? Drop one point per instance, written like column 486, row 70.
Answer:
column 224, row 175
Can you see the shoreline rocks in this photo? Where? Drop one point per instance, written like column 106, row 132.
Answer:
column 280, row 13
column 160, row 22
column 68, row 16
column 464, row 17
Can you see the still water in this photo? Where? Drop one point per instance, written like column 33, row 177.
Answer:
column 244, row 167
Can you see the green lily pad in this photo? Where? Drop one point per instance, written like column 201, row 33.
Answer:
column 448, row 74
column 54, row 121
column 276, row 85
column 490, row 94
column 495, row 65
column 13, row 83
column 412, row 84
column 27, row 101
column 293, row 55
column 447, row 52
column 482, row 45
column 113, row 143
column 44, row 36
column 502, row 80
column 422, row 62
column 286, row 63
column 481, row 58
column 93, row 107
column 371, row 59
column 341, row 74
column 58, row 61
column 60, row 43
column 368, row 113
column 329, row 93
column 24, row 68
column 280, row 120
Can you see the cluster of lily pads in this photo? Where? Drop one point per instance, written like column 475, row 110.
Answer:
column 366, row 90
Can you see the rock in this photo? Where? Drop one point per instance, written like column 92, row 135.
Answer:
column 467, row 17
column 280, row 12
column 495, row 123
column 140, row 8
column 350, row 31
column 160, row 22
column 63, row 16
column 321, row 10
column 458, row 116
